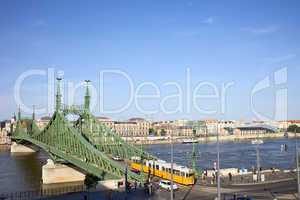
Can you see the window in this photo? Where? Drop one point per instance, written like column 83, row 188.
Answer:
column 189, row 175
column 157, row 167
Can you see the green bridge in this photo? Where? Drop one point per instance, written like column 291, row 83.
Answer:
column 86, row 143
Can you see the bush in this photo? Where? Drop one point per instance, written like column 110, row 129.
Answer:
column 293, row 128
column 91, row 181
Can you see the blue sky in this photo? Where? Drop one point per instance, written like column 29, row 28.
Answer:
column 219, row 41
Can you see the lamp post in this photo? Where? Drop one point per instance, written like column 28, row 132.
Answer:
column 297, row 163
column 257, row 142
column 172, row 191
column 218, row 165
column 258, row 163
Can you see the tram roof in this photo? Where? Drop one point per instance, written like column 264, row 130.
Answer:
column 165, row 164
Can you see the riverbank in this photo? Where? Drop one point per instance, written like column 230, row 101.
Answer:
column 176, row 140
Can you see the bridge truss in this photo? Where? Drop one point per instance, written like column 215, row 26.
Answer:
column 85, row 143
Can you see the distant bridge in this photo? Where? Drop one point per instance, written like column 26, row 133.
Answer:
column 86, row 143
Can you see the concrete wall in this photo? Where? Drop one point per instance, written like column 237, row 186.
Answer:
column 18, row 148
column 57, row 173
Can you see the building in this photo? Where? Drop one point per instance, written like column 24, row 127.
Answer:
column 106, row 121
column 223, row 127
column 43, row 121
column 5, row 129
column 284, row 124
column 134, row 127
column 186, row 131
column 184, row 128
column 254, row 129
column 163, row 128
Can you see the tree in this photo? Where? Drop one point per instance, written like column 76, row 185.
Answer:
column 90, row 181
column 163, row 132
column 152, row 131
column 194, row 132
column 293, row 128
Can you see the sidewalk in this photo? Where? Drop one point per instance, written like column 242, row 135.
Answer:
column 247, row 179
column 101, row 195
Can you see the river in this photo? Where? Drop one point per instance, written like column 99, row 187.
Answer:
column 23, row 172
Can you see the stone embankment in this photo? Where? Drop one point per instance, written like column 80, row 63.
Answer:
column 249, row 178
column 166, row 140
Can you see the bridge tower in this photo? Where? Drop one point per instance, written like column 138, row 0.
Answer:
column 33, row 112
column 58, row 95
column 19, row 114
column 87, row 97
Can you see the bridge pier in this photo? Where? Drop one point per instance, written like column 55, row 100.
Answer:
column 58, row 173
column 19, row 148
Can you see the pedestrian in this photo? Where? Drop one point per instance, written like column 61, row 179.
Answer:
column 234, row 196
column 230, row 176
column 150, row 188
column 135, row 185
column 213, row 178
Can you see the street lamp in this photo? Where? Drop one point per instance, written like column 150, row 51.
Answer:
column 257, row 142
column 172, row 191
column 297, row 160
column 218, row 165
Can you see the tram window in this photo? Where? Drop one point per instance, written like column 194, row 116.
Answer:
column 163, row 168
column 149, row 165
column 182, row 174
column 157, row 166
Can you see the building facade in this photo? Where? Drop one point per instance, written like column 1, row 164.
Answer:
column 179, row 128
column 5, row 129
column 254, row 129
column 223, row 127
column 134, row 127
column 43, row 121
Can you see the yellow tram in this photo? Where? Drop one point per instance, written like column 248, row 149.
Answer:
column 162, row 169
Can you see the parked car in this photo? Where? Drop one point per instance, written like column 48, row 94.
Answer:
column 165, row 184
column 117, row 158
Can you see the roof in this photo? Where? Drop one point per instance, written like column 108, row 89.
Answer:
column 136, row 119
column 118, row 122
column 293, row 121
column 103, row 118
column 168, row 165
column 185, row 127
column 46, row 118
column 258, row 126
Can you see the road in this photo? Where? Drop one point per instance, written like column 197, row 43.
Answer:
column 284, row 190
